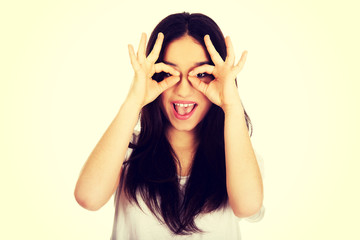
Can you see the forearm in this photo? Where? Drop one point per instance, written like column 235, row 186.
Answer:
column 243, row 178
column 100, row 174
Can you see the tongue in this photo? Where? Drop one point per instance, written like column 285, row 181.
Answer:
column 183, row 110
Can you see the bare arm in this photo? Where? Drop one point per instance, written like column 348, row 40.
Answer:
column 100, row 175
column 243, row 178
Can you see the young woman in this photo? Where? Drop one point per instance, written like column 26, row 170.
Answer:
column 191, row 171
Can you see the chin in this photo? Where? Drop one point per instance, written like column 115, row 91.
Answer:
column 184, row 127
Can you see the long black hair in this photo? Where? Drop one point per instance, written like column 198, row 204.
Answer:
column 151, row 172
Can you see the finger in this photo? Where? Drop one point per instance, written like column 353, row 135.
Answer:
column 241, row 62
column 141, row 49
column 215, row 56
column 154, row 54
column 162, row 67
column 198, row 84
column 230, row 58
column 167, row 83
column 209, row 69
column 133, row 60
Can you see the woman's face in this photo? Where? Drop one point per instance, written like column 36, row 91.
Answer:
column 183, row 105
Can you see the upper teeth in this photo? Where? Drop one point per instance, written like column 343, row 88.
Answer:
column 184, row 104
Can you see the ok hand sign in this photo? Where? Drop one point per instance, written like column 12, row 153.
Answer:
column 222, row 91
column 144, row 89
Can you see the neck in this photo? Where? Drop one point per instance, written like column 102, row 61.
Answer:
column 185, row 140
column 184, row 144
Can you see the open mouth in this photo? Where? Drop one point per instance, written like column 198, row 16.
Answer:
column 184, row 110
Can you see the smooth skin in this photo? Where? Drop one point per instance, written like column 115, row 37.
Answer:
column 100, row 175
column 185, row 54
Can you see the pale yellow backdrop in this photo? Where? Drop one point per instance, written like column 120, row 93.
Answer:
column 64, row 72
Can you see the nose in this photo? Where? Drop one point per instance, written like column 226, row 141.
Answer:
column 184, row 88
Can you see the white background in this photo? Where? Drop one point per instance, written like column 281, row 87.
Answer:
column 64, row 72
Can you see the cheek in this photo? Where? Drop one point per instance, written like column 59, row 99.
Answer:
column 164, row 102
column 208, row 79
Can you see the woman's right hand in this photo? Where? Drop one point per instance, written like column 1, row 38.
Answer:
column 144, row 89
column 100, row 175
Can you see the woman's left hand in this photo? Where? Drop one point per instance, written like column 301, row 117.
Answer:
column 222, row 91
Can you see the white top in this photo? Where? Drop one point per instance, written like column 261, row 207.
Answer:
column 131, row 222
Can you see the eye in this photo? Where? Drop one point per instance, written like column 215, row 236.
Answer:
column 205, row 77
column 161, row 76
column 164, row 75
column 201, row 75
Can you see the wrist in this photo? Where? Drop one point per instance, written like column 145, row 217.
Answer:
column 234, row 106
column 134, row 101
column 132, row 104
column 235, row 112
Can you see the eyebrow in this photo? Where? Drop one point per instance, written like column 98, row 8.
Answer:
column 196, row 64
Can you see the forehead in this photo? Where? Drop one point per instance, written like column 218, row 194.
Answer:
column 185, row 50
